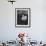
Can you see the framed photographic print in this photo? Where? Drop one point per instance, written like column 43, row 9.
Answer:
column 22, row 17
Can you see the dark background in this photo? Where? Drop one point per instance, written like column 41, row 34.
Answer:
column 19, row 15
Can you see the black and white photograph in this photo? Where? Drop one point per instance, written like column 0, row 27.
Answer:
column 22, row 17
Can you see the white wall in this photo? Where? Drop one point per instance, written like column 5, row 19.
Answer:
column 8, row 31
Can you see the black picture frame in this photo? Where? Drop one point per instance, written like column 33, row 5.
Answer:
column 22, row 17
